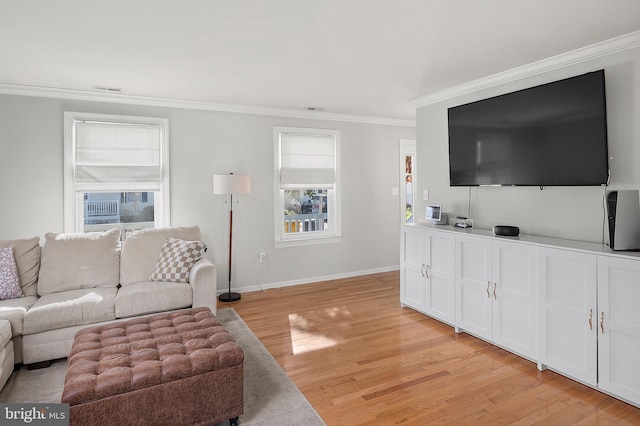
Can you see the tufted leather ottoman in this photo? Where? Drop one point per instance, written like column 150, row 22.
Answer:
column 174, row 368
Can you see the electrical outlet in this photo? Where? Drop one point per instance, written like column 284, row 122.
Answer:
column 263, row 257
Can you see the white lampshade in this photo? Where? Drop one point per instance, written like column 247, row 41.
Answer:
column 231, row 184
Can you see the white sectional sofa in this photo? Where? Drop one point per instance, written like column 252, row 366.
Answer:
column 82, row 279
column 7, row 356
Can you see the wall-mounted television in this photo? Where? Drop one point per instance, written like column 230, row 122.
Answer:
column 549, row 135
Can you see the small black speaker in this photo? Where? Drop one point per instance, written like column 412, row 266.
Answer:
column 506, row 230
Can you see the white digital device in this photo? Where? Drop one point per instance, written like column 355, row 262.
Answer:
column 434, row 212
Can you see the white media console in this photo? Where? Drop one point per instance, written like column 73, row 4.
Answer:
column 570, row 306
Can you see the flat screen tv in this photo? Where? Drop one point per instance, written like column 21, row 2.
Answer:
column 549, row 135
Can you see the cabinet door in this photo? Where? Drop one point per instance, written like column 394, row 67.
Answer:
column 514, row 292
column 473, row 285
column 619, row 327
column 413, row 255
column 568, row 311
column 441, row 276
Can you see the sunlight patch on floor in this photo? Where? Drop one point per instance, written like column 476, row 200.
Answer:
column 315, row 330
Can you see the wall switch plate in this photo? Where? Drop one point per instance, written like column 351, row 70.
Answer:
column 263, row 257
column 425, row 195
column 395, row 191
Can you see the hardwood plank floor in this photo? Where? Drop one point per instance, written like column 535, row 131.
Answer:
column 359, row 358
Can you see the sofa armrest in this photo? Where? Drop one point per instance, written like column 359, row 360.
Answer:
column 203, row 280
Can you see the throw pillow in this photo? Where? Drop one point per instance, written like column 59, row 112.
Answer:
column 9, row 282
column 26, row 253
column 176, row 259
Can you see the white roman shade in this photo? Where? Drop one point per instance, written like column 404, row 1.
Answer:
column 307, row 161
column 122, row 155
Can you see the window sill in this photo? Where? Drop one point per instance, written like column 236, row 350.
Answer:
column 307, row 241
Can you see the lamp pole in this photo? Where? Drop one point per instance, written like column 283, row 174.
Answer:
column 231, row 184
column 230, row 297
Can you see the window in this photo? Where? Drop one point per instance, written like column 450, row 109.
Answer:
column 306, row 186
column 116, row 172
column 407, row 180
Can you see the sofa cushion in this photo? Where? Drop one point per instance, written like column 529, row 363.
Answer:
column 9, row 281
column 14, row 310
column 149, row 297
column 141, row 249
column 7, row 354
column 79, row 260
column 177, row 257
column 5, row 333
column 69, row 308
column 26, row 252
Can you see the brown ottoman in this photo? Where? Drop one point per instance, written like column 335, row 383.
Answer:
column 174, row 368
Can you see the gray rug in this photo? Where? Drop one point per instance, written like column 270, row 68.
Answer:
column 270, row 398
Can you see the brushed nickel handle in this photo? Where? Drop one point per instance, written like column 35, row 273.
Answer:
column 426, row 271
column 495, row 296
column 488, row 287
column 590, row 319
column 602, row 322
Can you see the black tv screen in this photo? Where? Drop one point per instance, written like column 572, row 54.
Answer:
column 549, row 135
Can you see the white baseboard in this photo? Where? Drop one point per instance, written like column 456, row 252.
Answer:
column 265, row 286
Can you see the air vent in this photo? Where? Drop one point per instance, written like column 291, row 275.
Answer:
column 107, row 89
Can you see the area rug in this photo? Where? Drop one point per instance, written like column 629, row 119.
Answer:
column 270, row 397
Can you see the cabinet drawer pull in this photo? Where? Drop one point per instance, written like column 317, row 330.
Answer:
column 495, row 296
column 488, row 287
column 602, row 322
column 423, row 271
column 426, row 271
column 590, row 319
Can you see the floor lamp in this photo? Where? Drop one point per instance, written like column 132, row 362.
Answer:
column 228, row 185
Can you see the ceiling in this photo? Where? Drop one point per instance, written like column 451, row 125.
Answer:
column 360, row 57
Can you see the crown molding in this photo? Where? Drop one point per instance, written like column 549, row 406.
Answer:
column 82, row 95
column 584, row 54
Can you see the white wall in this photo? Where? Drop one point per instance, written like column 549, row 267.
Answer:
column 203, row 143
column 563, row 212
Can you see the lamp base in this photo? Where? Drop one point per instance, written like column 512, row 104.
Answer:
column 229, row 297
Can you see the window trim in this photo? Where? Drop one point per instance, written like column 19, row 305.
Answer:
column 73, row 201
column 311, row 238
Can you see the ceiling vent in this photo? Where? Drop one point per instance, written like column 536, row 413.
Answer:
column 107, row 89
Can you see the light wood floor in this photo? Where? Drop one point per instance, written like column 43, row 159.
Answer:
column 359, row 358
